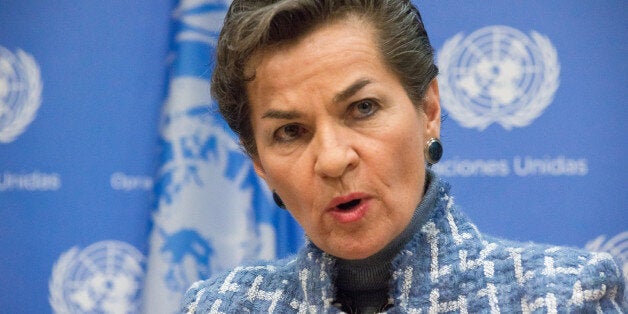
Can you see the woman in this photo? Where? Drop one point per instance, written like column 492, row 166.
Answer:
column 337, row 104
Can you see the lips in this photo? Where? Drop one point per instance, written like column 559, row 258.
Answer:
column 349, row 208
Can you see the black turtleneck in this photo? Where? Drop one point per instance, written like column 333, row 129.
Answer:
column 363, row 285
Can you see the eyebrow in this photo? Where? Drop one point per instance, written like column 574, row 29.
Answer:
column 281, row 114
column 340, row 97
column 351, row 90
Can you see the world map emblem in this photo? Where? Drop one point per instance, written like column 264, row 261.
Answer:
column 497, row 74
column 20, row 93
column 105, row 277
column 206, row 217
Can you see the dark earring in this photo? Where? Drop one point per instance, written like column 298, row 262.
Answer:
column 278, row 200
column 433, row 151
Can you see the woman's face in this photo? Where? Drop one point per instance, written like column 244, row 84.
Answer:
column 338, row 138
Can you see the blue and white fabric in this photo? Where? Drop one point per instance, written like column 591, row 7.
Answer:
column 449, row 266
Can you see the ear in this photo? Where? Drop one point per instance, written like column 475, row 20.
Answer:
column 259, row 169
column 431, row 109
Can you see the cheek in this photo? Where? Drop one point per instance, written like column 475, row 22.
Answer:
column 408, row 161
column 404, row 152
column 290, row 179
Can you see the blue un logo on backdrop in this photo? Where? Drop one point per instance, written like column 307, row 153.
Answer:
column 497, row 74
column 105, row 277
column 20, row 93
column 208, row 197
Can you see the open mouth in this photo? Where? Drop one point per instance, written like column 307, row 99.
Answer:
column 349, row 205
column 349, row 208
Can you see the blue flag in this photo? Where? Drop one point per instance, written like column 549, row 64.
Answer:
column 211, row 210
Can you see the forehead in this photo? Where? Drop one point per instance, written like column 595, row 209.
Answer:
column 335, row 53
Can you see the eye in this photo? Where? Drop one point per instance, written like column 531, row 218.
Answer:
column 365, row 108
column 288, row 133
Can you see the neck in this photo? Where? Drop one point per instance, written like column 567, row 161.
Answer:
column 366, row 281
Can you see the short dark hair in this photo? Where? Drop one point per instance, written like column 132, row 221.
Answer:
column 252, row 25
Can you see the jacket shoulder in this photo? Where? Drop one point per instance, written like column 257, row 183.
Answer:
column 232, row 289
column 555, row 277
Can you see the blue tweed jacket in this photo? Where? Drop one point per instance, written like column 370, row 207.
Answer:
column 446, row 267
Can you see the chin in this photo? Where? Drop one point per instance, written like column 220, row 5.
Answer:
column 356, row 253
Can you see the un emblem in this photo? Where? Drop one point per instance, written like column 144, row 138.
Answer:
column 105, row 277
column 208, row 197
column 497, row 74
column 20, row 93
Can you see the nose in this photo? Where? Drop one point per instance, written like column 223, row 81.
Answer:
column 335, row 153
